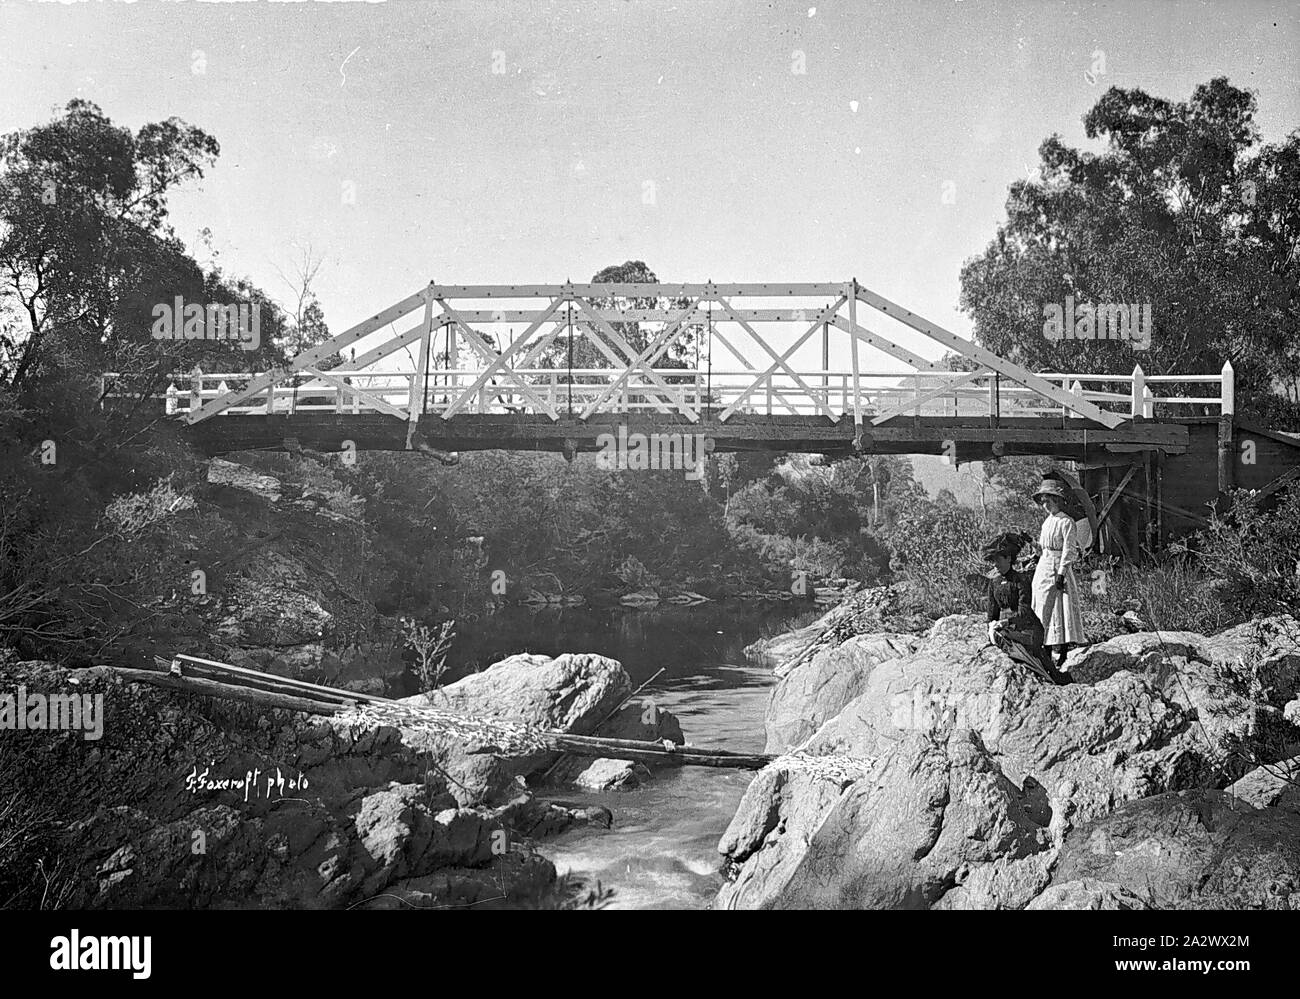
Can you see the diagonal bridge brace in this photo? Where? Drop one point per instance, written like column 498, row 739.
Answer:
column 648, row 356
column 590, row 316
column 988, row 359
column 309, row 357
column 500, row 364
column 798, row 379
column 822, row 317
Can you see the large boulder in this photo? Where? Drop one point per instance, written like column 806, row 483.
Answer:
column 1088, row 894
column 1006, row 883
column 568, row 693
column 898, row 834
column 817, row 689
column 774, row 652
column 1276, row 785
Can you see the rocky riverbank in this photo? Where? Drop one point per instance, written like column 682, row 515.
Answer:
column 928, row 771
column 189, row 802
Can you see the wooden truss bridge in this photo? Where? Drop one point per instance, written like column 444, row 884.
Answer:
column 468, row 383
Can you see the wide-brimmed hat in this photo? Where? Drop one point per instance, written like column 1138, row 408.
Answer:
column 1007, row 544
column 1052, row 487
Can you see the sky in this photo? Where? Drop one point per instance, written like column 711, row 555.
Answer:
column 505, row 143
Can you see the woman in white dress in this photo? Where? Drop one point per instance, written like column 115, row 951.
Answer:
column 1055, row 591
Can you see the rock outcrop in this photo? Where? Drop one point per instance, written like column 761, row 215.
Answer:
column 1193, row 849
column 570, row 693
column 814, row 693
column 191, row 802
column 963, row 744
column 1274, row 786
column 898, row 837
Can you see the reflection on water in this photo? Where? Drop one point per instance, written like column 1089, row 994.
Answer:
column 662, row 851
column 681, row 640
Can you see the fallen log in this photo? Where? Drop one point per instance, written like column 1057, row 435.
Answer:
column 655, row 752
column 272, row 691
column 212, row 688
column 242, row 675
column 268, row 683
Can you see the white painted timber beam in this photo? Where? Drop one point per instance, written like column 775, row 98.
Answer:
column 498, row 366
column 309, row 357
column 989, row 359
column 775, row 290
column 884, row 345
column 699, row 316
column 823, row 317
column 798, row 380
column 934, row 393
column 419, row 379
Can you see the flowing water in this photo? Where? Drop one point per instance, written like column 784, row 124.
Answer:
column 662, row 849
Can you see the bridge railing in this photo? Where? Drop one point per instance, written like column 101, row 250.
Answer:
column 884, row 395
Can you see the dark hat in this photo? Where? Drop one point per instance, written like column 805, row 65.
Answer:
column 1052, row 487
column 1007, row 544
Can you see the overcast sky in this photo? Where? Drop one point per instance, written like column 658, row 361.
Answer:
column 539, row 171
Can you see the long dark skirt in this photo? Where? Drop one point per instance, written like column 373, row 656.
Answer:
column 1026, row 648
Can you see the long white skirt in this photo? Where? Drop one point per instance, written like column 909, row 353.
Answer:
column 1057, row 609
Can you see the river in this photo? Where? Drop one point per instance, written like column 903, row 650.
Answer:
column 662, row 849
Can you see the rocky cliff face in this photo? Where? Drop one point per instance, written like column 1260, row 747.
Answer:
column 977, row 785
column 276, row 576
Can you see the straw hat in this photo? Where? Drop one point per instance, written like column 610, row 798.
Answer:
column 1052, row 487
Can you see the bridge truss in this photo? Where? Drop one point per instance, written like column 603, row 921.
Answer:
column 510, row 379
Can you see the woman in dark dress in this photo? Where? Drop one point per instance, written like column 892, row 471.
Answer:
column 1013, row 626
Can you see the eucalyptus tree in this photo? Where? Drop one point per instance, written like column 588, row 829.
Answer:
column 1185, row 211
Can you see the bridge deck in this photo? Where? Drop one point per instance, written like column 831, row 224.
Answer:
column 970, row 438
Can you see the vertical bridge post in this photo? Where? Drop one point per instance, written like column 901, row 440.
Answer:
column 419, row 380
column 1227, row 446
column 852, row 292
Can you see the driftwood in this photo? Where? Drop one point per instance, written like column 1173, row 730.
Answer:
column 285, row 693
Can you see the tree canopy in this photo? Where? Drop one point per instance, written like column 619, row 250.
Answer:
column 1183, row 210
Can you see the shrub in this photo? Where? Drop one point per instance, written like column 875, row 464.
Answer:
column 132, row 513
